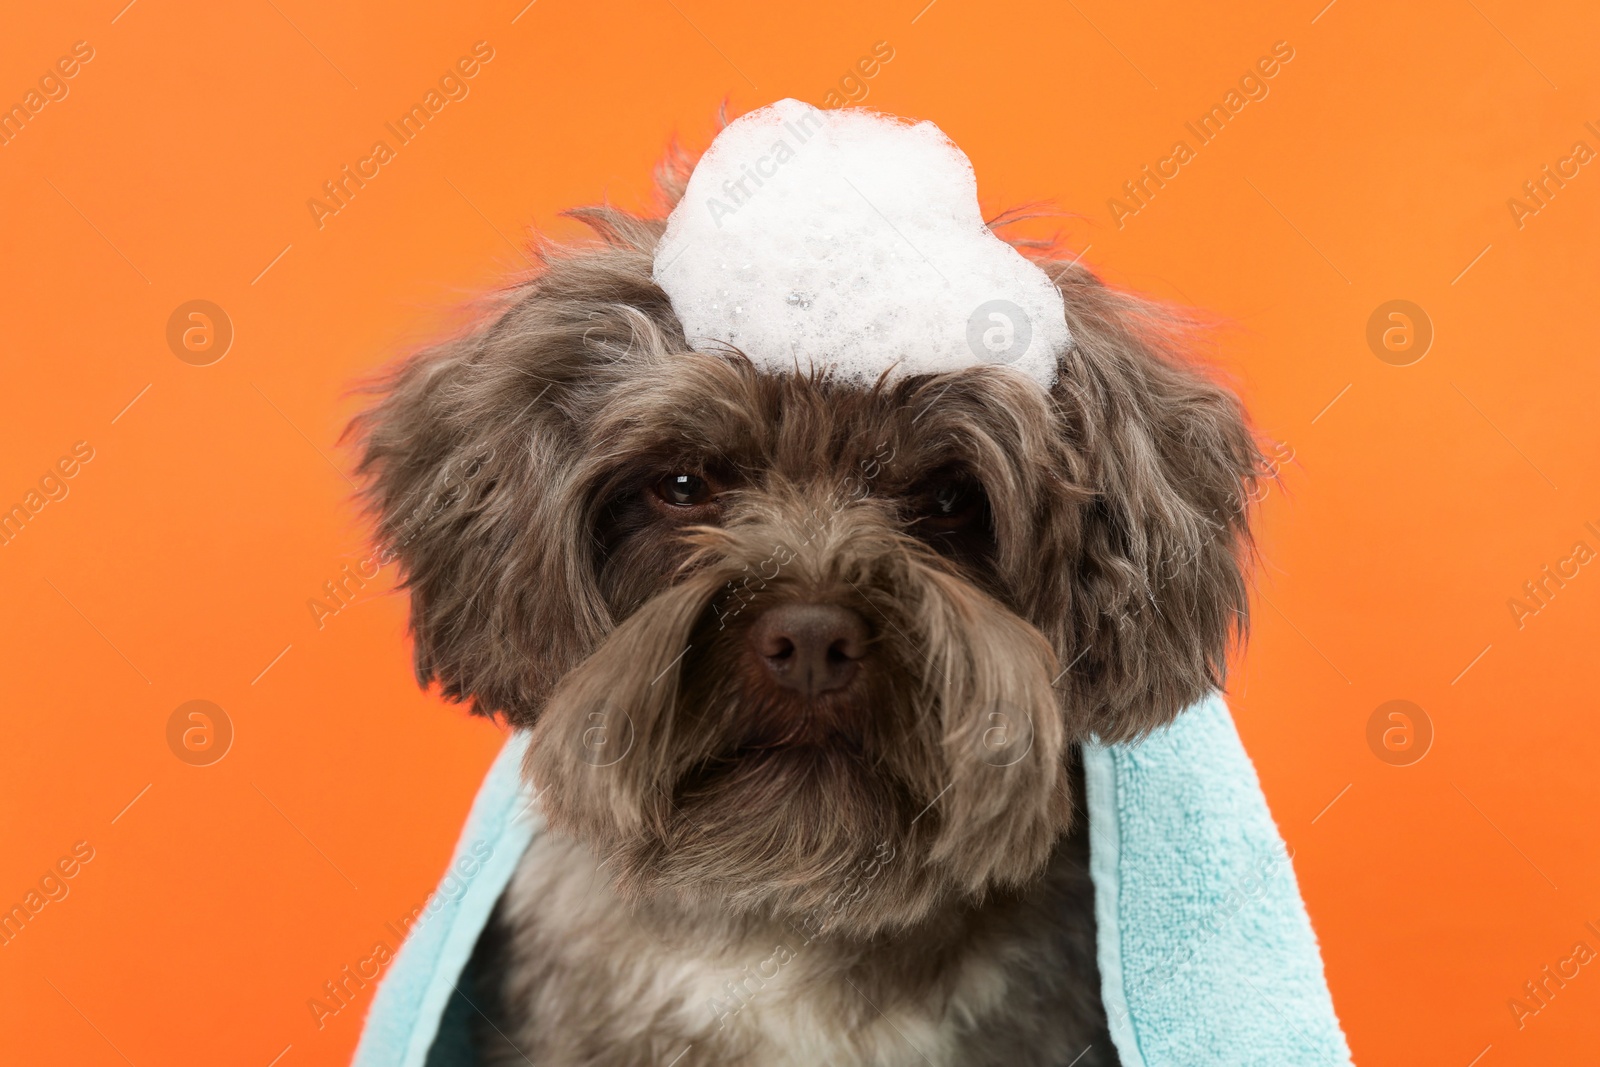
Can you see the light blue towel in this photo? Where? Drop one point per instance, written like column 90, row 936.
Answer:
column 411, row 1004
column 1206, row 952
column 1207, row 958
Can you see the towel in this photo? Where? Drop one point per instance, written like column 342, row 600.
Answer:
column 418, row 1009
column 1207, row 957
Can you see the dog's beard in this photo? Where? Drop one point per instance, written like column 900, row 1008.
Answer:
column 937, row 773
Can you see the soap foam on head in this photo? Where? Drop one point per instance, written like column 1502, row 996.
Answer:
column 853, row 241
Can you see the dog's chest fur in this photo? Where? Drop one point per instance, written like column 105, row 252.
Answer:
column 569, row 975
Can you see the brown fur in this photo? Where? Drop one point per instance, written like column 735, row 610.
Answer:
column 1096, row 595
column 997, row 985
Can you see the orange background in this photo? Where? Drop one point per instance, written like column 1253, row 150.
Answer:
column 182, row 561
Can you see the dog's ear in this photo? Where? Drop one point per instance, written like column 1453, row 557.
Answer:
column 1155, row 589
column 469, row 458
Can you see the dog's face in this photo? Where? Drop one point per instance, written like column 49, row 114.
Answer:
column 796, row 646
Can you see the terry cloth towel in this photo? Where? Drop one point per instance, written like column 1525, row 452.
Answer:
column 1207, row 957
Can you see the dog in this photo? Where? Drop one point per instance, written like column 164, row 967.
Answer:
column 806, row 663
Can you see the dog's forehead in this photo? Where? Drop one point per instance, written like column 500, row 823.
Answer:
column 719, row 410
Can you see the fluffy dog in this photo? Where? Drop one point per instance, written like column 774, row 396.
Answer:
column 805, row 661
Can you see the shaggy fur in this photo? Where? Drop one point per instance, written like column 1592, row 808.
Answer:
column 995, row 985
column 1087, row 581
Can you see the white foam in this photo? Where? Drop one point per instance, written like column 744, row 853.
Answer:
column 851, row 240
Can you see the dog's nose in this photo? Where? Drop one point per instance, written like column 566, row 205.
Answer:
column 810, row 648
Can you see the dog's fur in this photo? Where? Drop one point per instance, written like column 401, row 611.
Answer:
column 886, row 873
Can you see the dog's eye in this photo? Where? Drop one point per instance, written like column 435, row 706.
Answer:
column 684, row 490
column 947, row 503
column 950, row 499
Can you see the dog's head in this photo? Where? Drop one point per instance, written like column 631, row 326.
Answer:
column 780, row 636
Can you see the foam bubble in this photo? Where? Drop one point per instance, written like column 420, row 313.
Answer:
column 851, row 240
